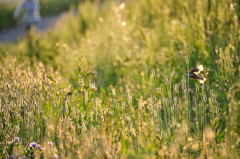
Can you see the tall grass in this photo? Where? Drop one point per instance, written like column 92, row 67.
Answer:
column 121, row 90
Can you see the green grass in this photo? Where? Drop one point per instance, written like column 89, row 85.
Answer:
column 110, row 83
column 51, row 7
column 6, row 16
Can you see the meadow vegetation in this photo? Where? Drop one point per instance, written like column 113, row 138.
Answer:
column 110, row 82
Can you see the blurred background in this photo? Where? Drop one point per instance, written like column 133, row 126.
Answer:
column 51, row 11
column 47, row 8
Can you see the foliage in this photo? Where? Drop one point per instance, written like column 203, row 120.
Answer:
column 121, row 89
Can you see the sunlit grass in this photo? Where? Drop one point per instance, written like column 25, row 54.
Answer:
column 111, row 82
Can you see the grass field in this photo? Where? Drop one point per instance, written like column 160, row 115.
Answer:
column 111, row 83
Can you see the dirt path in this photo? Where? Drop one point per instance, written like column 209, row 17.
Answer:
column 10, row 35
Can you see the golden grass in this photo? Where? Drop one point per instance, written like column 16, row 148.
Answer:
column 111, row 83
